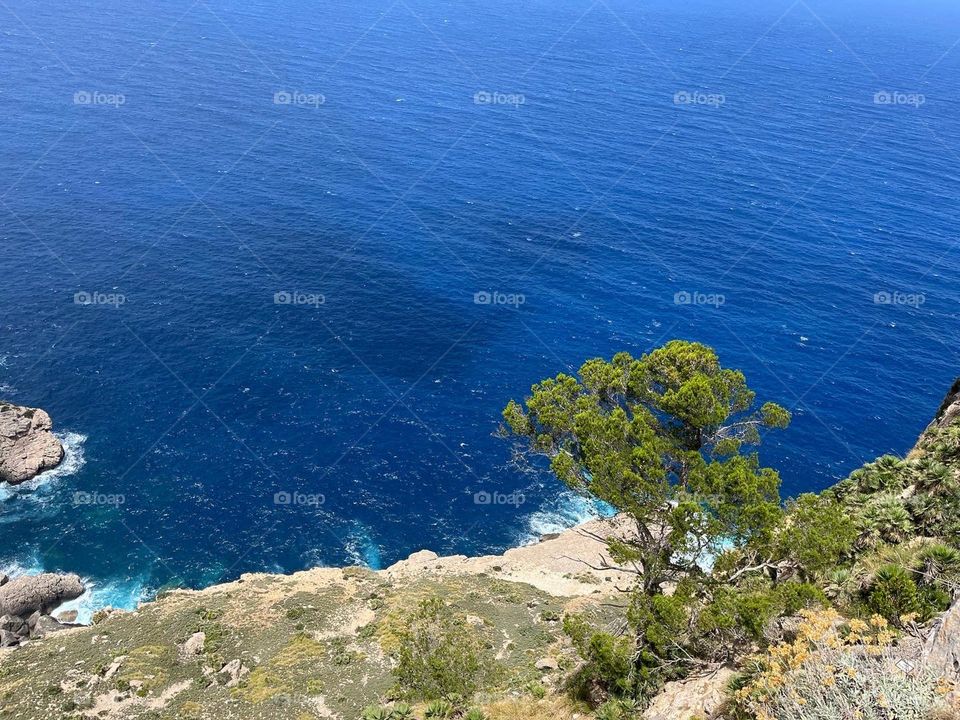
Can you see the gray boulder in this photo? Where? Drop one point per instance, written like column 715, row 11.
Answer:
column 15, row 625
column 46, row 625
column 40, row 594
column 27, row 443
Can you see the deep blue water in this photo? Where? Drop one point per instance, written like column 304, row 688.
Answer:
column 584, row 186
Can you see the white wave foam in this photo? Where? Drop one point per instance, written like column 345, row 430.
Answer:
column 73, row 458
column 568, row 510
column 120, row 594
column 362, row 550
column 23, row 566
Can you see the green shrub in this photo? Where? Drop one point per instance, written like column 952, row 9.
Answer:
column 376, row 713
column 608, row 659
column 402, row 711
column 439, row 709
column 440, row 654
column 797, row 596
column 894, row 594
column 619, row 709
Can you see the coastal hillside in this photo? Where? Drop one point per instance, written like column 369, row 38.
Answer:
column 318, row 643
column 350, row 643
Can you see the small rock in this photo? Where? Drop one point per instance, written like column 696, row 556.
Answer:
column 547, row 664
column 114, row 667
column 4, row 579
column 695, row 697
column 422, row 556
column 194, row 644
column 45, row 625
column 233, row 671
column 8, row 639
column 941, row 653
column 14, row 624
column 67, row 616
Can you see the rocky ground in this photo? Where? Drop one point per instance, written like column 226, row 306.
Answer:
column 316, row 644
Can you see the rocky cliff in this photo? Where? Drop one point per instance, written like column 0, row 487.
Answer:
column 27, row 443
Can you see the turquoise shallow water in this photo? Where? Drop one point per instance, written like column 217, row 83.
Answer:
column 302, row 205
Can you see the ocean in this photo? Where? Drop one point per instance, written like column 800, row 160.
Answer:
column 275, row 269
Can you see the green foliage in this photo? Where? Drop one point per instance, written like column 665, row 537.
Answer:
column 797, row 596
column 659, row 439
column 618, row 709
column 401, row 711
column 668, row 439
column 885, row 519
column 439, row 709
column 818, row 533
column 475, row 714
column 376, row 713
column 939, row 565
column 663, row 438
column 608, row 658
column 440, row 655
column 894, row 593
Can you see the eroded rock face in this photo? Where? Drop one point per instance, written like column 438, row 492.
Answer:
column 42, row 593
column 27, row 445
column 941, row 653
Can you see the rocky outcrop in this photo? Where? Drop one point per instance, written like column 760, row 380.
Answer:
column 42, row 593
column 25, row 604
column 573, row 563
column 27, row 443
column 941, row 653
column 699, row 697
